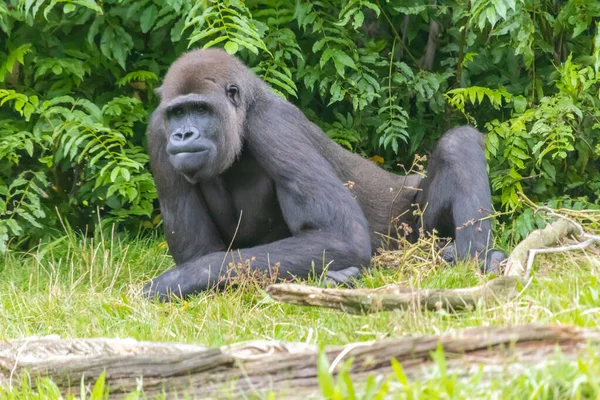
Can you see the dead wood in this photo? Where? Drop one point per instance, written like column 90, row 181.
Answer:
column 517, row 264
column 542, row 241
column 287, row 368
column 394, row 297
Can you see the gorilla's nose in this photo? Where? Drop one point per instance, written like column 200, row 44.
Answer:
column 186, row 140
column 185, row 134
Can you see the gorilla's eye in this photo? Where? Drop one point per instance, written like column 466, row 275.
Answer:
column 233, row 94
column 200, row 108
column 176, row 112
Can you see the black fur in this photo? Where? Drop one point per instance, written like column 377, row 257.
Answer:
column 270, row 185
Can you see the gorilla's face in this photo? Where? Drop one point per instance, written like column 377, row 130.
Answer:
column 204, row 137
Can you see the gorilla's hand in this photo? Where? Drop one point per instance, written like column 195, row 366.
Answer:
column 163, row 287
column 448, row 253
column 179, row 282
column 343, row 276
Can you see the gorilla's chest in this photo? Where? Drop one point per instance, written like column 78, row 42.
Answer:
column 243, row 205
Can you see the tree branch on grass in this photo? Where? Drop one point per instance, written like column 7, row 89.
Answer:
column 520, row 261
column 289, row 369
column 395, row 297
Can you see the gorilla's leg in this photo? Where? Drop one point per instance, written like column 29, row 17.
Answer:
column 456, row 197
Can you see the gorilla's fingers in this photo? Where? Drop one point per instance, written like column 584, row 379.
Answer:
column 343, row 276
column 448, row 253
column 172, row 284
column 153, row 290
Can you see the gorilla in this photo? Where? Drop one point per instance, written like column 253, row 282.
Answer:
column 243, row 176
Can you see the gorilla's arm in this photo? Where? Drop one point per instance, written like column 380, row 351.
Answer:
column 327, row 224
column 294, row 256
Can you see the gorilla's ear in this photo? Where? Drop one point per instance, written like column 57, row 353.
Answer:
column 159, row 91
column 233, row 94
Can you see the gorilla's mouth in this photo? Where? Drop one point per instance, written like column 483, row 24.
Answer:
column 191, row 161
column 192, row 148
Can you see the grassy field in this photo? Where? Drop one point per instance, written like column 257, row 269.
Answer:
column 91, row 288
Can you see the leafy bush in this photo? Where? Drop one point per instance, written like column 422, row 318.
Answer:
column 384, row 79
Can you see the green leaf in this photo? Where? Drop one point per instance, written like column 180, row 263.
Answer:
column 327, row 54
column 93, row 30
column 16, row 55
column 57, row 69
column 520, row 104
column 177, row 30
column 472, row 93
column 215, row 41
column 14, row 226
column 318, row 45
column 500, row 7
column 344, row 59
column 91, row 4
column 493, row 142
column 325, row 378
column 69, row 8
column 231, row 47
column 3, row 241
column 579, row 28
column 98, row 390
column 114, row 174
column 359, row 18
column 399, row 372
column 135, row 395
column 284, row 78
column 125, row 174
column 148, row 18
column 549, row 169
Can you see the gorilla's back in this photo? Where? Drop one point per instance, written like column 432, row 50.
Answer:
column 382, row 195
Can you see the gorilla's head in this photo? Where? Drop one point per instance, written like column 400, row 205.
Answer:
column 204, row 99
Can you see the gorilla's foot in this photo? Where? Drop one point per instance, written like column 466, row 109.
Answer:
column 494, row 262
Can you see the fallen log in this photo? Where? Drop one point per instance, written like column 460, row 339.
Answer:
column 395, row 297
column 289, row 369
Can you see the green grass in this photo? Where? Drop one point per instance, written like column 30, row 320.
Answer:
column 92, row 288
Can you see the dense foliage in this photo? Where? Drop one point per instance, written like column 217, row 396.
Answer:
column 383, row 78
